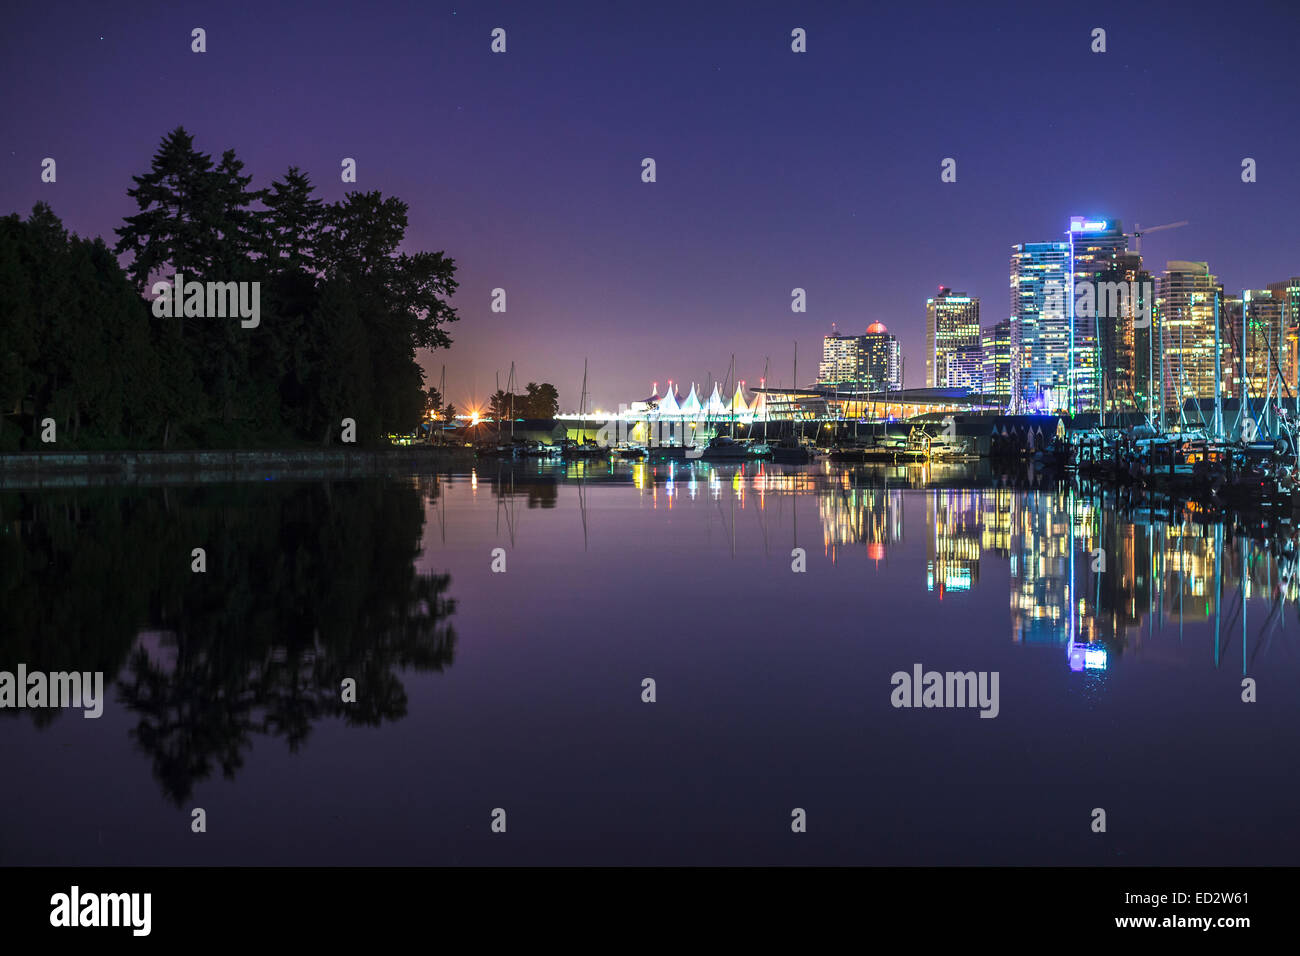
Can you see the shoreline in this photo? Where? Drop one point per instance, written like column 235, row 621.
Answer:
column 66, row 469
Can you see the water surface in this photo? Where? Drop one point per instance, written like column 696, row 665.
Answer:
column 522, row 690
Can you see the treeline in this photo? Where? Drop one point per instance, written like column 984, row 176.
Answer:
column 341, row 316
column 537, row 401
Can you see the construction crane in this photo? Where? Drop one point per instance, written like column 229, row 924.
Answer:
column 1138, row 232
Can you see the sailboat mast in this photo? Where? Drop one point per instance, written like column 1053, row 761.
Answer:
column 1161, row 406
column 582, row 404
column 1218, row 377
column 1241, row 352
column 795, row 385
column 731, row 371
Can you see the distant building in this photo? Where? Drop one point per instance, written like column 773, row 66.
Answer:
column 995, row 342
column 951, row 322
column 1288, row 292
column 1063, row 356
column 841, row 359
column 1103, row 347
column 1040, row 325
column 965, row 369
column 1187, row 298
column 1262, row 318
column 882, row 359
column 1124, row 297
column 868, row 362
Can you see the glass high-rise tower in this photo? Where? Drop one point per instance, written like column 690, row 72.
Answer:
column 996, row 346
column 952, row 322
column 1100, row 340
column 1186, row 302
column 1040, row 325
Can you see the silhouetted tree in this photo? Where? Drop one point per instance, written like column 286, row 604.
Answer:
column 343, row 314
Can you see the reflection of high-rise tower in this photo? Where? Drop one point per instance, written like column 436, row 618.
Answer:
column 953, row 547
column 870, row 516
column 995, row 521
column 1040, row 568
column 1182, row 569
column 1113, row 599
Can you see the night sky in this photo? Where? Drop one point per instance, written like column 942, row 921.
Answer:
column 775, row 169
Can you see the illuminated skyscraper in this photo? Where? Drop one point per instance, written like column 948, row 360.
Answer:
column 1264, row 349
column 841, row 359
column 882, row 359
column 965, row 368
column 995, row 344
column 1186, row 299
column 1040, row 327
column 1100, row 341
column 951, row 322
column 872, row 361
column 1288, row 292
column 1124, row 323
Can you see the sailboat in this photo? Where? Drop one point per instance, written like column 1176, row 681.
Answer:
column 497, row 446
column 588, row 449
column 793, row 449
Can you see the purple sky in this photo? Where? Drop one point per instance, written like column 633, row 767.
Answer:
column 775, row 169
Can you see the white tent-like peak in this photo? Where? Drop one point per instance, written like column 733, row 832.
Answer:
column 715, row 406
column 738, row 404
column 668, row 404
column 692, row 404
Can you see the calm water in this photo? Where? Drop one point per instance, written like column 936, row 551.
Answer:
column 522, row 690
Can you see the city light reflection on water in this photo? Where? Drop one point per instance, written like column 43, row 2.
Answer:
column 500, row 623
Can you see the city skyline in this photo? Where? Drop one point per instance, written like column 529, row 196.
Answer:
column 775, row 170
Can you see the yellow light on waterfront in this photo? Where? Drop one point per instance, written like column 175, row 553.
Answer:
column 473, row 418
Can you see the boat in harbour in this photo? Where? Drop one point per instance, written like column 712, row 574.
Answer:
column 792, row 451
column 726, row 448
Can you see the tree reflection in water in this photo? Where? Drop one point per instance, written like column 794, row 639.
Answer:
column 306, row 584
